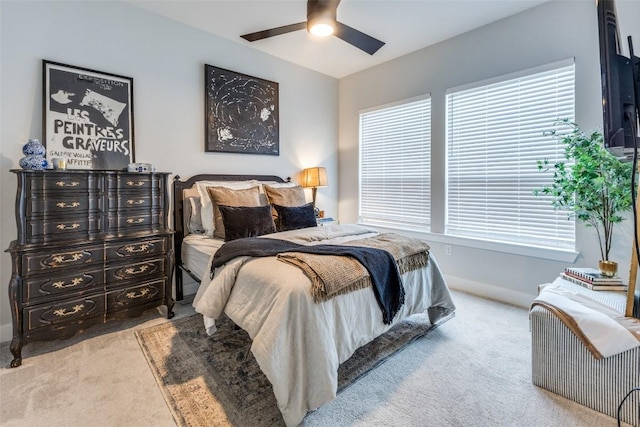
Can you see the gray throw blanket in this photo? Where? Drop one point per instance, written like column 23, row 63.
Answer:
column 381, row 265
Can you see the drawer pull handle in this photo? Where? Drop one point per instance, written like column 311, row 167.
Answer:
column 135, row 183
column 135, row 220
column 74, row 282
column 62, row 312
column 63, row 205
column 67, row 184
column 133, row 270
column 141, row 248
column 135, row 202
column 134, row 295
column 61, row 259
column 68, row 227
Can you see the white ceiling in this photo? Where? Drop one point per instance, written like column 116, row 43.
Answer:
column 404, row 25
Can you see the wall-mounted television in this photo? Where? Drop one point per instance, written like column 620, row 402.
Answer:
column 620, row 77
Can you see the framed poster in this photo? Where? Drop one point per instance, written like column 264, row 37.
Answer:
column 87, row 117
column 241, row 113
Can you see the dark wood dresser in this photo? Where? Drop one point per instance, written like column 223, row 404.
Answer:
column 92, row 246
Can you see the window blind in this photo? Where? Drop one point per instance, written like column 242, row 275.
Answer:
column 395, row 165
column 495, row 135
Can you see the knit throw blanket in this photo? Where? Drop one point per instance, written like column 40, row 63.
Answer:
column 336, row 269
column 332, row 275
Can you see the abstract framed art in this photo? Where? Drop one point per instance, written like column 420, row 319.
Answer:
column 241, row 113
column 87, row 117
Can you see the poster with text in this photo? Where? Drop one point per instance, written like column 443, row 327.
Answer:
column 88, row 117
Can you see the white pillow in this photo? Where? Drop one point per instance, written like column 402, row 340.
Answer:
column 279, row 184
column 207, row 206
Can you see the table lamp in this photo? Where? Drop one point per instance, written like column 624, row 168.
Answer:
column 314, row 178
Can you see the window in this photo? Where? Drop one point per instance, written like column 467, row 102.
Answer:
column 395, row 165
column 495, row 135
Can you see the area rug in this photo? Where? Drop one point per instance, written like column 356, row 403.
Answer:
column 216, row 381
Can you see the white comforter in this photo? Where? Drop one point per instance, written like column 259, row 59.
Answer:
column 299, row 344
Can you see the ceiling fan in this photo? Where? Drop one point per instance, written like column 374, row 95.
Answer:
column 322, row 22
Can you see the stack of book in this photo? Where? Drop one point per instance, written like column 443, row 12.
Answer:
column 591, row 278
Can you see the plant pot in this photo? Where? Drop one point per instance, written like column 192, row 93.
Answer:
column 608, row 268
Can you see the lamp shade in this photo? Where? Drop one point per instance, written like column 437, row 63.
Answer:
column 314, row 177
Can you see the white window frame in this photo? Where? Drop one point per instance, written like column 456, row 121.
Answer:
column 395, row 184
column 463, row 221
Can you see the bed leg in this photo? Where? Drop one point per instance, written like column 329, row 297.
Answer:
column 179, row 292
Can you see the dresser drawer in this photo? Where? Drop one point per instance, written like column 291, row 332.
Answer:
column 126, row 250
column 63, row 182
column 134, row 220
column 145, row 270
column 63, row 282
column 120, row 299
column 61, row 229
column 136, row 200
column 38, row 261
column 134, row 181
column 44, row 315
column 64, row 204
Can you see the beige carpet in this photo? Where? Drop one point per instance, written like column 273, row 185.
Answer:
column 215, row 381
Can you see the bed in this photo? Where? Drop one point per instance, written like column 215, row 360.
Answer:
column 298, row 340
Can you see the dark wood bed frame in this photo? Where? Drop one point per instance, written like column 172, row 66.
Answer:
column 178, row 211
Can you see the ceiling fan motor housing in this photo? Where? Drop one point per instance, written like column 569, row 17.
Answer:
column 322, row 11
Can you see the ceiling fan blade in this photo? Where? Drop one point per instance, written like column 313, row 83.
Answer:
column 359, row 39
column 259, row 35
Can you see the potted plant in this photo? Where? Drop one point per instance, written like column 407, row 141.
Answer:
column 592, row 184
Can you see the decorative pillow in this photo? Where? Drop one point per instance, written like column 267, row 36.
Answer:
column 206, row 213
column 243, row 221
column 295, row 217
column 192, row 215
column 284, row 196
column 229, row 197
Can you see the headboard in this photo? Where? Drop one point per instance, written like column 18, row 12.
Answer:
column 179, row 188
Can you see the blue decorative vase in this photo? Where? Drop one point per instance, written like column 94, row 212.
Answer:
column 34, row 156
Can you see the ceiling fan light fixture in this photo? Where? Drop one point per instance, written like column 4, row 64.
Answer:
column 321, row 27
column 321, row 17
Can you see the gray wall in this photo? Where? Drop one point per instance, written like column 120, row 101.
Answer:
column 166, row 60
column 553, row 31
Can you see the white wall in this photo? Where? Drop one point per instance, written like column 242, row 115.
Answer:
column 166, row 60
column 548, row 33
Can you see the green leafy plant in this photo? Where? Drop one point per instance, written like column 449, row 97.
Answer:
column 593, row 185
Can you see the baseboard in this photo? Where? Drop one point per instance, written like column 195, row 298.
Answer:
column 6, row 332
column 492, row 292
